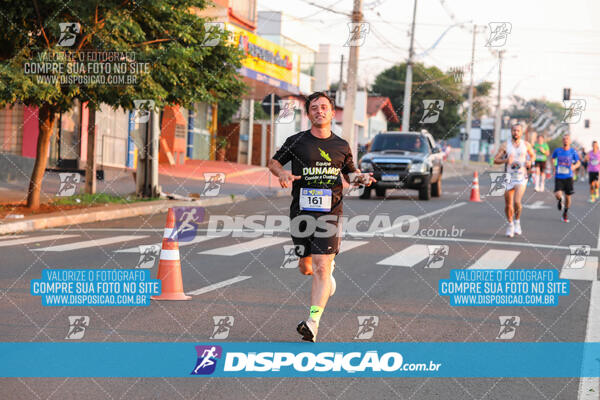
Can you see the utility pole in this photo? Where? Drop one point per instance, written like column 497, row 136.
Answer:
column 408, row 82
column 341, row 81
column 350, row 100
column 498, row 121
column 467, row 142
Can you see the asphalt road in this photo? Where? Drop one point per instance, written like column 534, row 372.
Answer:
column 380, row 276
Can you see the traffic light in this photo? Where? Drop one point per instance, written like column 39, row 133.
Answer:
column 586, row 123
column 567, row 94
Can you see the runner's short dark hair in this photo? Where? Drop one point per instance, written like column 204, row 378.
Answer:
column 315, row 96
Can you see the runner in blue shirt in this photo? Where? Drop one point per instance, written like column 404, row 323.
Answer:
column 567, row 160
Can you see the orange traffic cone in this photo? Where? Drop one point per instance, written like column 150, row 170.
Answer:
column 169, row 265
column 475, row 188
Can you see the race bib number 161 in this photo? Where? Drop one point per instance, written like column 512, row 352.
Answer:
column 315, row 199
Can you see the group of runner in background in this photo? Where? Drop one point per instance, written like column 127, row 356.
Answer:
column 526, row 163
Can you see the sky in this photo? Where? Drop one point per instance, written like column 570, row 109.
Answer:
column 553, row 44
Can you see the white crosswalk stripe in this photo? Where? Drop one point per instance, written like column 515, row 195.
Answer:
column 588, row 272
column 239, row 248
column 408, row 257
column 34, row 239
column 219, row 285
column 92, row 243
column 197, row 239
column 348, row 245
column 495, row 259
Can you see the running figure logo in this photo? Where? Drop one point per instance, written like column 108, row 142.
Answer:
column 577, row 257
column 142, row 111
column 358, row 33
column 68, row 33
column 499, row 32
column 213, row 182
column 68, row 183
column 77, row 325
column 187, row 220
column 223, row 325
column 148, row 255
column 433, row 108
column 290, row 255
column 499, row 182
column 207, row 359
column 213, row 29
column 366, row 326
column 354, row 190
column 508, row 327
column 287, row 113
column 573, row 110
column 437, row 255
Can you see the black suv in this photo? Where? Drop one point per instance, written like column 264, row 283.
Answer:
column 409, row 160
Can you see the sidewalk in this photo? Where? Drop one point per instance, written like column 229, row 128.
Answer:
column 242, row 182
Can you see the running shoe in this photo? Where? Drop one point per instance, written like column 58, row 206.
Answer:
column 510, row 231
column 333, row 283
column 518, row 227
column 592, row 199
column 565, row 218
column 308, row 329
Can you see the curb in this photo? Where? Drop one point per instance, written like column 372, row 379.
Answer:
column 73, row 217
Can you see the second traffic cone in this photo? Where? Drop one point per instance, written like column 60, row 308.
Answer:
column 475, row 188
column 169, row 265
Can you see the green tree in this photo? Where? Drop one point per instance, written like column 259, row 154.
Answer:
column 429, row 83
column 167, row 35
column 481, row 99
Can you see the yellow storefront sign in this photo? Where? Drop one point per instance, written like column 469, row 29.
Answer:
column 266, row 61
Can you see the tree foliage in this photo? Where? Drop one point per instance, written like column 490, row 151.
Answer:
column 429, row 83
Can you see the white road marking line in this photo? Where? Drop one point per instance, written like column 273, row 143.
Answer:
column 360, row 235
column 235, row 249
column 16, row 242
column 218, row 285
column 197, row 239
column 598, row 244
column 350, row 244
column 423, row 216
column 589, row 387
column 495, row 259
column 408, row 257
column 589, row 271
column 91, row 243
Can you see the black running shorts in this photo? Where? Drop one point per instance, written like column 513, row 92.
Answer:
column 564, row 185
column 318, row 239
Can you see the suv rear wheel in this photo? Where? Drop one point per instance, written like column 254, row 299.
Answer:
column 436, row 188
column 425, row 189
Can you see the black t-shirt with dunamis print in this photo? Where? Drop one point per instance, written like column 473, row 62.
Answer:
column 320, row 163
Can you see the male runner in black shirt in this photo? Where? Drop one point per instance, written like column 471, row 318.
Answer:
column 318, row 157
